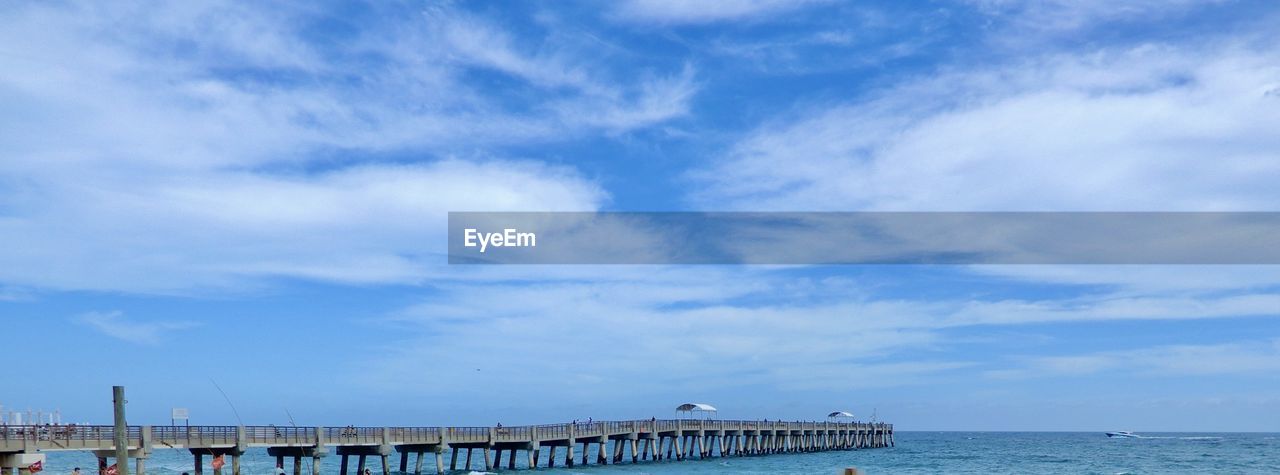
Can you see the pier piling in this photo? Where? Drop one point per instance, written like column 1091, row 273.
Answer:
column 121, row 433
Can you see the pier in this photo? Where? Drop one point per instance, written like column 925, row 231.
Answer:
column 600, row 442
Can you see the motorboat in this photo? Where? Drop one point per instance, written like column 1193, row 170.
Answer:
column 1123, row 434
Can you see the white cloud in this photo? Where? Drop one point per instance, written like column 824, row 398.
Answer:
column 170, row 233
column 163, row 148
column 115, row 325
column 1064, row 15
column 1139, row 280
column 1252, row 357
column 703, row 11
column 611, row 328
column 742, row 327
column 1151, row 128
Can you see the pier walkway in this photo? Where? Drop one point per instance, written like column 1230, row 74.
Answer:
column 612, row 441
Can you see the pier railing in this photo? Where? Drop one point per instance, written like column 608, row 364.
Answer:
column 468, row 434
column 353, row 435
column 552, row 431
column 416, row 435
column 100, row 437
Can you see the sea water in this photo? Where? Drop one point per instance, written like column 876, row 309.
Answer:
column 916, row 453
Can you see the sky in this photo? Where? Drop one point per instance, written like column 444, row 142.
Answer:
column 240, row 208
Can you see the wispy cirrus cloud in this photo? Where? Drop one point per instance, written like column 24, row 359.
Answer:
column 212, row 144
column 114, row 324
column 704, row 11
column 831, row 331
column 1148, row 128
column 1062, row 15
column 1252, row 357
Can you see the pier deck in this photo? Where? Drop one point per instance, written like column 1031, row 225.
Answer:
column 634, row 441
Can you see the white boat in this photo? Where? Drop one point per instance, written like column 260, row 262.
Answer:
column 1123, row 434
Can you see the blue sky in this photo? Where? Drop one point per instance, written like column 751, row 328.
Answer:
column 253, row 197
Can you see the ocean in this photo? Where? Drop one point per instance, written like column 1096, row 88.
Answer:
column 916, row 453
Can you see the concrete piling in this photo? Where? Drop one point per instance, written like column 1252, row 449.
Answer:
column 568, row 456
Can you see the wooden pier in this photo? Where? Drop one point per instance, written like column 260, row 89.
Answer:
column 602, row 442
